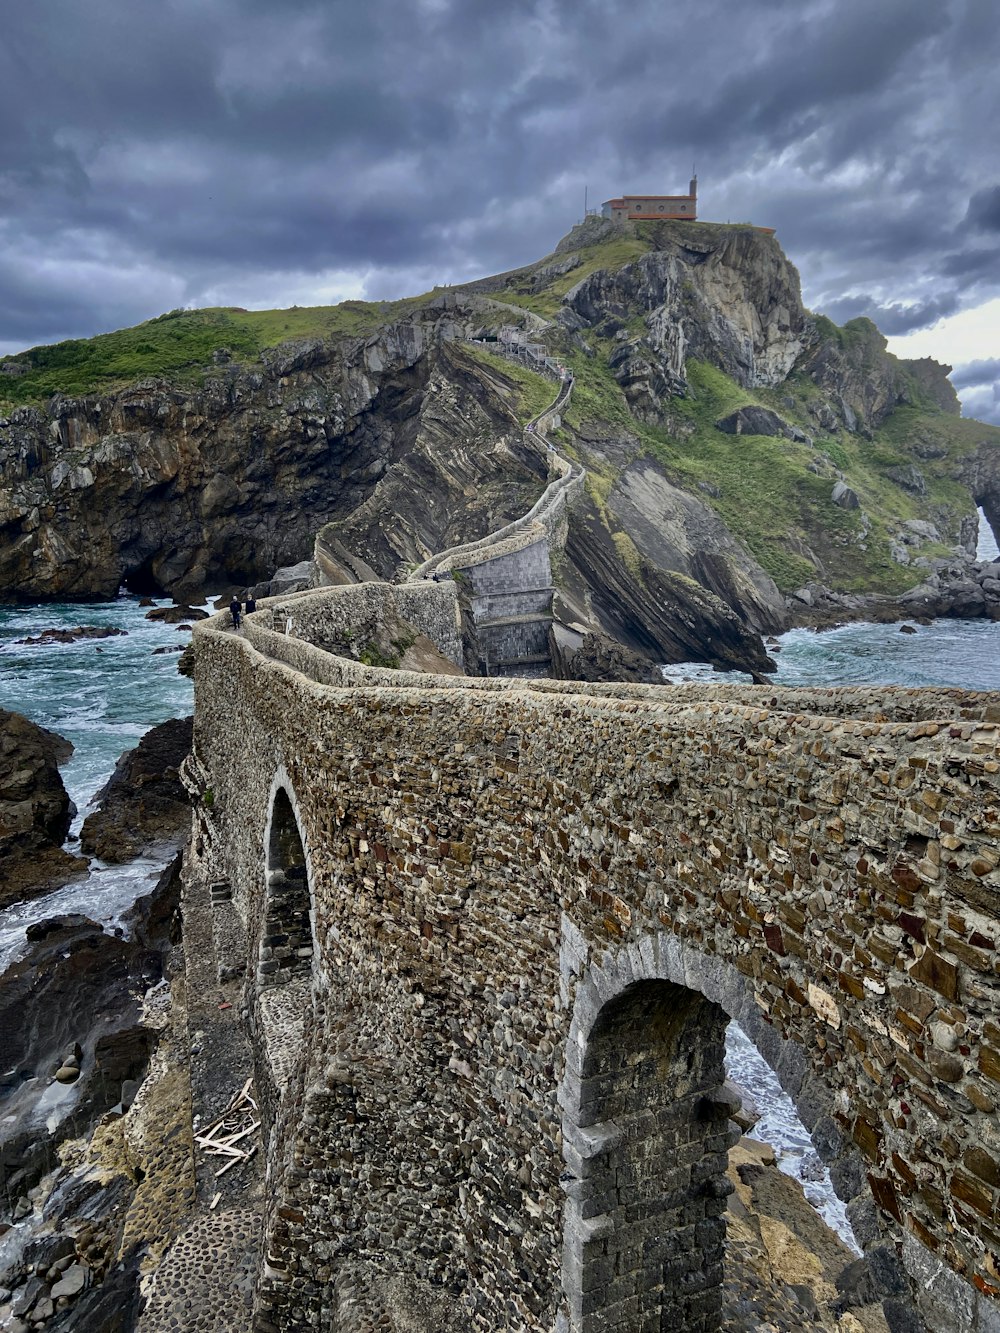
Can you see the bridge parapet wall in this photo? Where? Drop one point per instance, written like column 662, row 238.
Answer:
column 491, row 862
column 354, row 612
column 309, row 613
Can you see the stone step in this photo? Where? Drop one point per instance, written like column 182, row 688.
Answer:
column 535, row 659
column 535, row 618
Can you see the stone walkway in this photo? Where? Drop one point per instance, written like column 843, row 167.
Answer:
column 283, row 1011
column 205, row 1282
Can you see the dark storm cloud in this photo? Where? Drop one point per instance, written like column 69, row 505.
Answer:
column 893, row 320
column 239, row 151
column 984, row 210
column 976, row 373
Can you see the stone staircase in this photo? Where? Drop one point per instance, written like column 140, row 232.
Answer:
column 507, row 575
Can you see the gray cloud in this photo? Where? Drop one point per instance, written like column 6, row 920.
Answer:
column 975, row 373
column 983, row 403
column 984, row 210
column 894, row 319
column 234, row 151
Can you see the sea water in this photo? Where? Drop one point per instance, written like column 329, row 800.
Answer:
column 102, row 695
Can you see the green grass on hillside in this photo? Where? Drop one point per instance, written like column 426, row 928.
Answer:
column 611, row 255
column 180, row 344
column 764, row 487
column 534, row 392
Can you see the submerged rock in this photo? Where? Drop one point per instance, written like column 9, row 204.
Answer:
column 74, row 635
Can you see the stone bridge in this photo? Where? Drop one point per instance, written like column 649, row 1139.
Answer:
column 495, row 930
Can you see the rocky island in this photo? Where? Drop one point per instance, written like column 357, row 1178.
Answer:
column 748, row 465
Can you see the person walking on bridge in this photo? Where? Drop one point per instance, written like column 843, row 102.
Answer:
column 234, row 611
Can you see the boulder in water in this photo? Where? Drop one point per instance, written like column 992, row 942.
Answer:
column 143, row 804
column 35, row 811
column 176, row 615
column 74, row 635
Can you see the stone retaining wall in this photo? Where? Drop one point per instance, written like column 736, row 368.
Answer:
column 501, row 874
column 314, row 619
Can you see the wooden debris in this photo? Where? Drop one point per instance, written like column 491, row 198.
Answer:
column 236, row 1123
column 243, row 1157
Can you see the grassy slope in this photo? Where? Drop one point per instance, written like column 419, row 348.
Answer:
column 611, row 255
column 180, row 345
column 534, row 392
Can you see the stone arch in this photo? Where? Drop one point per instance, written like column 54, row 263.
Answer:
column 646, row 1130
column 287, row 940
column 646, row 1135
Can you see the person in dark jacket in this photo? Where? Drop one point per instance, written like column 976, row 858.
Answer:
column 234, row 611
column 251, row 604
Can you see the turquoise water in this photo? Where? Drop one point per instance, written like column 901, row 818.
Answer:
column 965, row 653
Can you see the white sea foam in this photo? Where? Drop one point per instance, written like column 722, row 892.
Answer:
column 781, row 1127
column 102, row 695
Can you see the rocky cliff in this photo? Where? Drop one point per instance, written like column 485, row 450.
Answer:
column 35, row 811
column 743, row 456
column 167, row 489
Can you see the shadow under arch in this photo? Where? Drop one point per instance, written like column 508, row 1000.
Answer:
column 287, row 942
column 281, row 990
column 646, row 1134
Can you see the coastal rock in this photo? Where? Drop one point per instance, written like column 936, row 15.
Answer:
column 227, row 483
column 595, row 656
column 77, row 988
column 293, row 578
column 725, row 295
column 143, row 804
column 680, row 535
column 844, row 497
column 661, row 614
column 864, row 385
column 35, row 811
column 753, row 421
column 176, row 615
column 909, row 477
column 73, row 635
column 785, row 1269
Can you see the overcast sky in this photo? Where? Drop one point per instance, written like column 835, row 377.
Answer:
column 161, row 153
